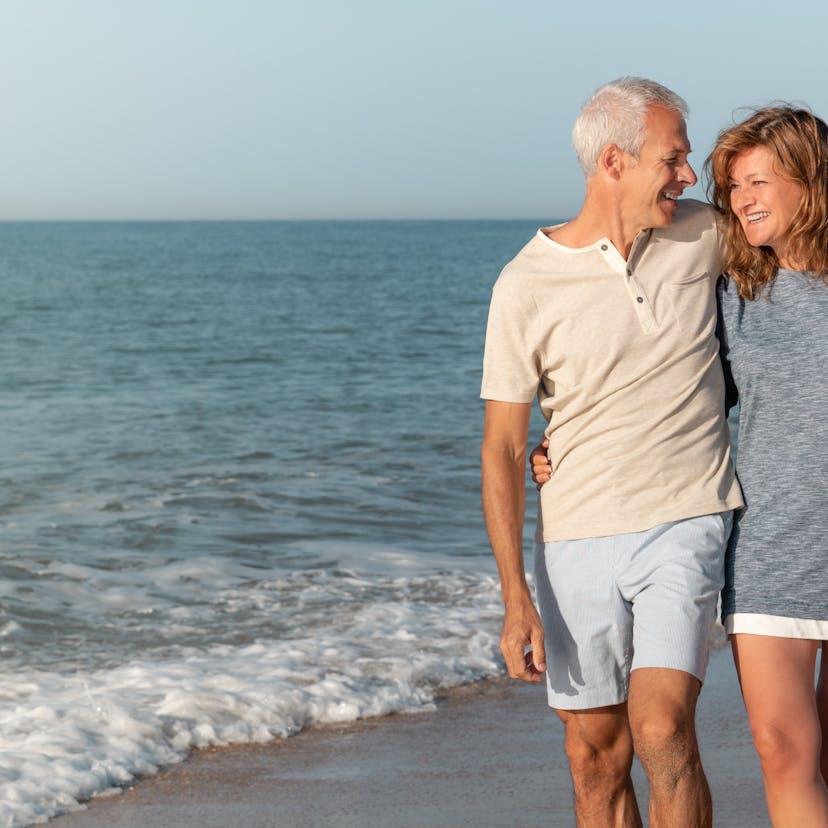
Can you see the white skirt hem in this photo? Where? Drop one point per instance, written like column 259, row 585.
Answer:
column 779, row 626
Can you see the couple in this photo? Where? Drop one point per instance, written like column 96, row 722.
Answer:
column 610, row 320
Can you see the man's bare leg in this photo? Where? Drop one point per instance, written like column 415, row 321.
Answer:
column 662, row 710
column 600, row 753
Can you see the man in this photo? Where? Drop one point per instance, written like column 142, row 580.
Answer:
column 610, row 319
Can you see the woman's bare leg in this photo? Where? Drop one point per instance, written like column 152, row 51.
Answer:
column 777, row 679
column 822, row 707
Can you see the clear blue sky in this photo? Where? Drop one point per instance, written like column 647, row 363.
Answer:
column 361, row 109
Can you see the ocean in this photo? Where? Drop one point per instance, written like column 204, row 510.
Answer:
column 239, row 494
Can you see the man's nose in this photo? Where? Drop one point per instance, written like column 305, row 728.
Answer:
column 687, row 174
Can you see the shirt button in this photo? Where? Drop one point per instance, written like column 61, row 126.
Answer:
column 639, row 299
column 603, row 247
column 629, row 271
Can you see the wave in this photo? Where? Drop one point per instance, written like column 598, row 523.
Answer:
column 67, row 737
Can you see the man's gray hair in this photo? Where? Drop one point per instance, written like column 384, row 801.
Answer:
column 615, row 114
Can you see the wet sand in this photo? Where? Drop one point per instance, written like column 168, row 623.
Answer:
column 490, row 756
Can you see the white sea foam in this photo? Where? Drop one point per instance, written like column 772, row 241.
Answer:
column 65, row 738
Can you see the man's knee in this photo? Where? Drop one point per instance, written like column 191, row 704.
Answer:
column 662, row 717
column 599, row 749
column 665, row 740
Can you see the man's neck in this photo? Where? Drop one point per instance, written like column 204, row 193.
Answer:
column 589, row 226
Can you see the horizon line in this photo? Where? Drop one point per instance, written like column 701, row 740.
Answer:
column 257, row 220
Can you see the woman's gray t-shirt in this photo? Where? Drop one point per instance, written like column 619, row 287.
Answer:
column 777, row 351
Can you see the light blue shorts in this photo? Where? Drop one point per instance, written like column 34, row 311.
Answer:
column 614, row 604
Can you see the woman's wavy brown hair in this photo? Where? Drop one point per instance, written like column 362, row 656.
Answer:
column 799, row 142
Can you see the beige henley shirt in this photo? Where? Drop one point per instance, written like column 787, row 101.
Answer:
column 623, row 358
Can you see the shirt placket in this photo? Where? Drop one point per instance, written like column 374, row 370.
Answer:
column 635, row 290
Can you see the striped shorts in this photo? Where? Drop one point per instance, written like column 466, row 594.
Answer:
column 614, row 604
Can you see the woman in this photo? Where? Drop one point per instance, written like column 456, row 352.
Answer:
column 769, row 179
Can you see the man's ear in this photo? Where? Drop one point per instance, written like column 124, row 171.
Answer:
column 612, row 160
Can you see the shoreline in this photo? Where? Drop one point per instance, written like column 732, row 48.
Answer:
column 491, row 755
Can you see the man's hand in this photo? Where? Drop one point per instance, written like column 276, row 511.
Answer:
column 521, row 628
column 540, row 465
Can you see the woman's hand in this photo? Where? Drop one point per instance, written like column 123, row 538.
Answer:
column 540, row 465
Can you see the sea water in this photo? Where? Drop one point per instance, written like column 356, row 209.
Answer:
column 239, row 492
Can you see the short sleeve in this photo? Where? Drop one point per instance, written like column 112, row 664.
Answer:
column 510, row 370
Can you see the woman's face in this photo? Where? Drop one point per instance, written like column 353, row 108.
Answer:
column 764, row 200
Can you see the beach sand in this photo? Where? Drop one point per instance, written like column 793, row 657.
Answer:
column 490, row 756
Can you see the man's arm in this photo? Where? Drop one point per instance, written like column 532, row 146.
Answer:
column 731, row 391
column 504, row 502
